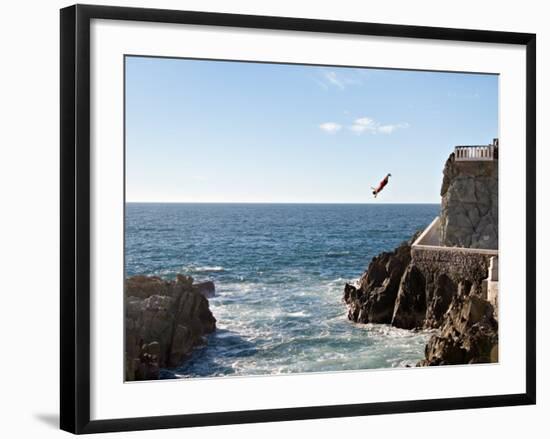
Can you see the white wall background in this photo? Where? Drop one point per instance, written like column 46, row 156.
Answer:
column 29, row 249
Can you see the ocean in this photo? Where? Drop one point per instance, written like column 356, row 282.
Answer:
column 279, row 271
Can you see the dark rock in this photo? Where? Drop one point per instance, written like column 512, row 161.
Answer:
column 410, row 306
column 164, row 321
column 469, row 334
column 422, row 301
column 352, row 297
column 440, row 294
column 145, row 286
column 207, row 289
column 373, row 301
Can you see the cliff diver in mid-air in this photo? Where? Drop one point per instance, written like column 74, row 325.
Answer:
column 381, row 185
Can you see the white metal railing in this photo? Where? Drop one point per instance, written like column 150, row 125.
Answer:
column 475, row 152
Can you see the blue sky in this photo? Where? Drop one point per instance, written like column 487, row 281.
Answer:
column 215, row 131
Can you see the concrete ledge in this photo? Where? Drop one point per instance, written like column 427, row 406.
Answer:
column 471, row 251
column 429, row 240
column 430, row 235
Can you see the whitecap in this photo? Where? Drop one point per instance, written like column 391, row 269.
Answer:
column 204, row 269
column 298, row 314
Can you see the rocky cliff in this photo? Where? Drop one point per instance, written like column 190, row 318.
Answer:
column 164, row 321
column 395, row 289
column 434, row 289
column 469, row 334
column 372, row 301
column 469, row 204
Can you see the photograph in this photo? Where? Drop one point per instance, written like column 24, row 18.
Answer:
column 294, row 219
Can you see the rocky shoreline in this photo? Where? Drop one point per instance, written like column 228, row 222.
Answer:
column 441, row 289
column 164, row 322
column 393, row 290
column 442, row 285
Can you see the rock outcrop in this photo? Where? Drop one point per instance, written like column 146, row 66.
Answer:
column 469, row 334
column 395, row 290
column 409, row 311
column 373, row 300
column 164, row 321
column 469, row 204
column 207, row 289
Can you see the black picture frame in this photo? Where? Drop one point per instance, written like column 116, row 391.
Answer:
column 75, row 217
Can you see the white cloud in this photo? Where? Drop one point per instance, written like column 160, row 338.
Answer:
column 330, row 127
column 364, row 124
column 388, row 129
column 369, row 125
column 331, row 78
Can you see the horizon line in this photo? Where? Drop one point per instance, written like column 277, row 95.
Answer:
column 272, row 202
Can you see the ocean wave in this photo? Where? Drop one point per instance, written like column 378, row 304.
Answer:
column 338, row 283
column 164, row 272
column 298, row 314
column 204, row 269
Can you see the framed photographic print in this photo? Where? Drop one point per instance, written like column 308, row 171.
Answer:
column 273, row 218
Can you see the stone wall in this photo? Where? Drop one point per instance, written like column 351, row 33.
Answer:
column 469, row 204
column 456, row 264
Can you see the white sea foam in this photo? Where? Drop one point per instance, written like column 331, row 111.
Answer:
column 164, row 272
column 298, row 314
column 204, row 269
